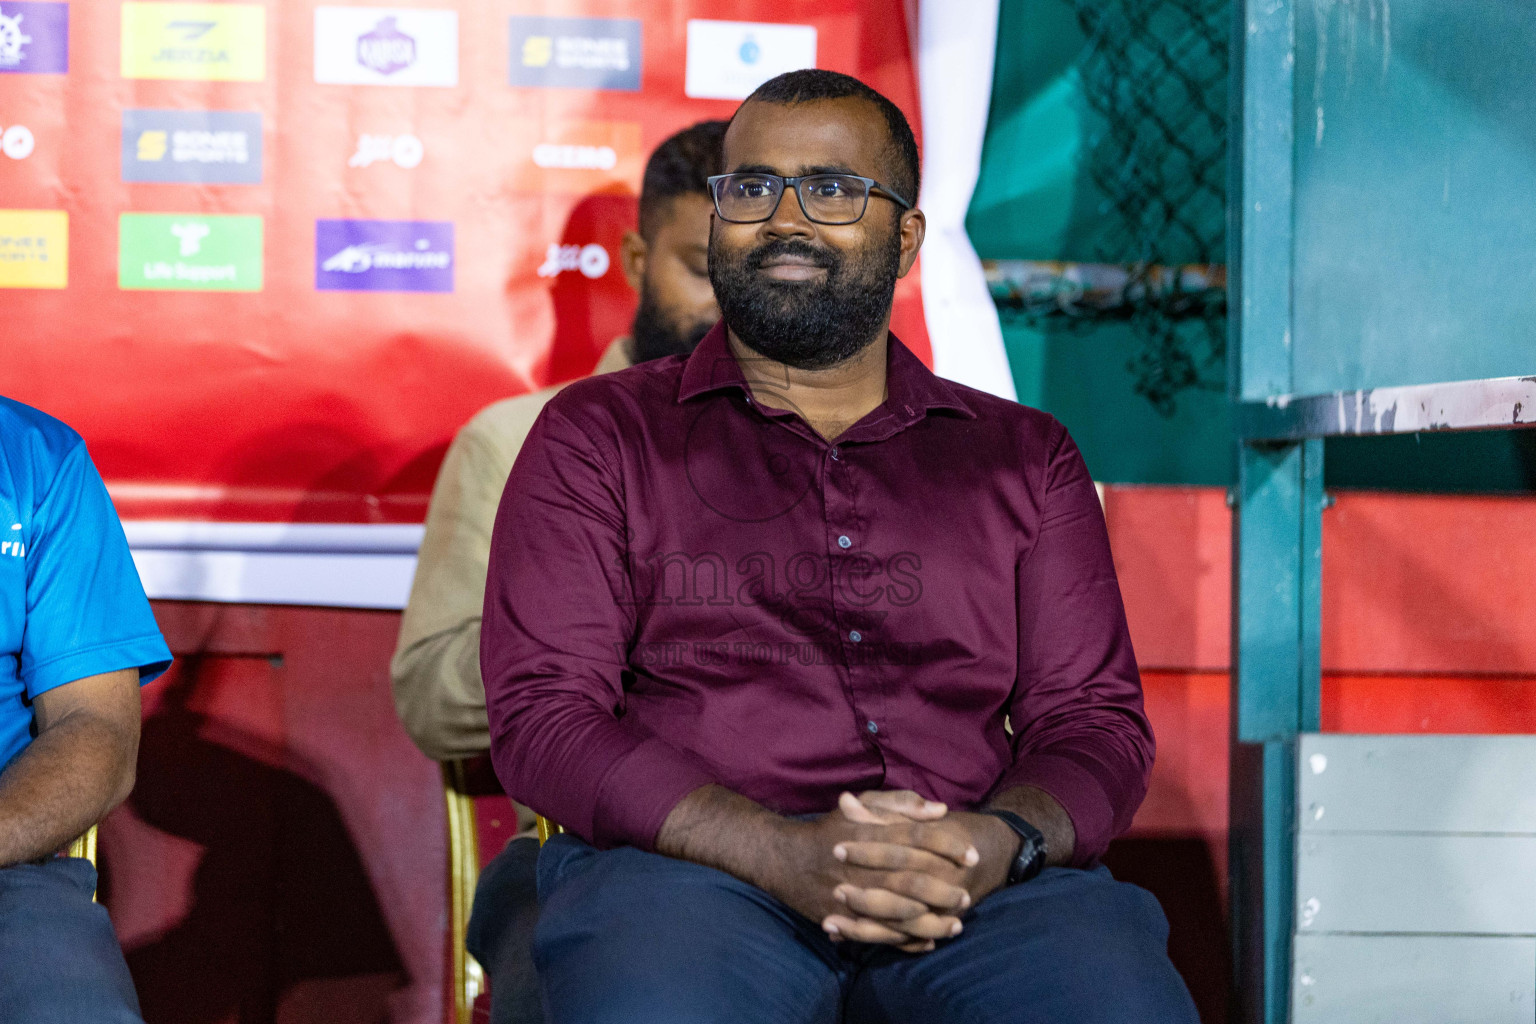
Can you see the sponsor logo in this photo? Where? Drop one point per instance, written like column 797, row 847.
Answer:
column 209, row 42
column 17, row 142
column 591, row 260
column 34, row 249
column 576, row 53
column 386, row 46
column 214, row 146
column 728, row 59
column 15, row 547
column 384, row 255
column 402, row 150
column 575, row 157
column 189, row 252
column 34, row 38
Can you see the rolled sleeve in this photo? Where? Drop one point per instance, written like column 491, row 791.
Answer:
column 1080, row 729
column 557, row 622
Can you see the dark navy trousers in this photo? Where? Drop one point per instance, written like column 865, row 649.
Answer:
column 626, row 937
column 59, row 958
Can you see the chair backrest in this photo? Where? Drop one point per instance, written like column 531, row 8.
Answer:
column 1415, row 880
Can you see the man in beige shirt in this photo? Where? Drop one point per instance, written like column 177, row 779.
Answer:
column 436, row 668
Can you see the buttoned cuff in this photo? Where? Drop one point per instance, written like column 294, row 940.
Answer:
column 640, row 790
column 1078, row 791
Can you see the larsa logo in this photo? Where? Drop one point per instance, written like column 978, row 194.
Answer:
column 17, row 142
column 402, row 150
column 386, row 46
column 384, row 255
column 591, row 260
column 214, row 146
column 576, row 53
column 728, row 59
column 34, row 37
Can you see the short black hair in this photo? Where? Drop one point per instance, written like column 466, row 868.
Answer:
column 810, row 84
column 679, row 167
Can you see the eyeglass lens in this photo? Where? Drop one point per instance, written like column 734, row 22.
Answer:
column 825, row 198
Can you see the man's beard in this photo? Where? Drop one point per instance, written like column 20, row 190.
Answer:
column 809, row 325
column 655, row 335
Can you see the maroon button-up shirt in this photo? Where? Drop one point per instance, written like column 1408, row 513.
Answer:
column 687, row 587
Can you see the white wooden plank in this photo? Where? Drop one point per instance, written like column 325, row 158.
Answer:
column 1431, row 979
column 1470, row 784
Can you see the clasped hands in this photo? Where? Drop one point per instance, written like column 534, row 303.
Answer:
column 892, row 868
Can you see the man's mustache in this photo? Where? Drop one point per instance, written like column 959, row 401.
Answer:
column 814, row 255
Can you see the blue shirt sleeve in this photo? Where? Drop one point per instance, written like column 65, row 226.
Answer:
column 86, row 609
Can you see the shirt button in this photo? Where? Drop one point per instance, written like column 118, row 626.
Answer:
column 844, row 542
column 856, row 636
column 872, row 727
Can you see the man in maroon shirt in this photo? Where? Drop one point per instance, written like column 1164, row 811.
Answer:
column 730, row 590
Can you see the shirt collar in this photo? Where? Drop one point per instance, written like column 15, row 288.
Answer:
column 912, row 390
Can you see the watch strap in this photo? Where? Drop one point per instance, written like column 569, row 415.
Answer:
column 1031, row 859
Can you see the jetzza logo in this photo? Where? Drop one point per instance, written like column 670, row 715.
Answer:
column 210, row 42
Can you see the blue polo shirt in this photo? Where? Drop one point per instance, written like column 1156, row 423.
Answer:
column 71, row 604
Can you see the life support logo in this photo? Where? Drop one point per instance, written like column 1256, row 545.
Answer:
column 16, row 142
column 34, row 249
column 204, row 42
column 384, row 255
column 189, row 252
column 591, row 260
column 728, row 59
column 213, row 146
column 575, row 53
column 386, row 46
column 404, row 151
column 34, row 38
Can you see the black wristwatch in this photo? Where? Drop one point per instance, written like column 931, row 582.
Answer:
column 1031, row 858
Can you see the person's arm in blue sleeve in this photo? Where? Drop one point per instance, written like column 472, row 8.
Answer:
column 88, row 644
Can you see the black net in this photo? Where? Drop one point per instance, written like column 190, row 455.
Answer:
column 1154, row 76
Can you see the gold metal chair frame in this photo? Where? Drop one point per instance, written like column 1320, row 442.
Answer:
column 463, row 872
column 85, row 846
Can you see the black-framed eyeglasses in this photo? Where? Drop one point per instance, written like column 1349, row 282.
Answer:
column 750, row 197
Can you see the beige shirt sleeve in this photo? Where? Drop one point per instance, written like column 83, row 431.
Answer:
column 435, row 672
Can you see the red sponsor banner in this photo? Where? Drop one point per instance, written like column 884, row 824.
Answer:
column 352, row 225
